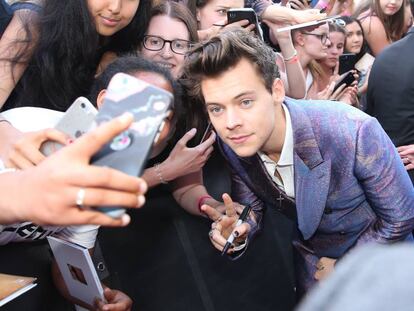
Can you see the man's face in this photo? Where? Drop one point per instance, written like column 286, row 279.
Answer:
column 241, row 109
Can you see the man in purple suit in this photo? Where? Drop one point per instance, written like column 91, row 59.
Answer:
column 328, row 166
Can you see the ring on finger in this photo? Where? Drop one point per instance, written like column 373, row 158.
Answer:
column 80, row 197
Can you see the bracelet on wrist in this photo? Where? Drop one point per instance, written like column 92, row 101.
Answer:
column 157, row 168
column 290, row 58
column 201, row 201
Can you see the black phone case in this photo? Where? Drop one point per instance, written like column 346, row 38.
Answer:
column 347, row 80
column 235, row 15
column 347, row 62
column 129, row 151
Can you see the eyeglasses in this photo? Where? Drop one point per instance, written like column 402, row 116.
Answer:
column 323, row 37
column 338, row 21
column 178, row 46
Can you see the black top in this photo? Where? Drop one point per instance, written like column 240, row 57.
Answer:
column 5, row 16
column 390, row 93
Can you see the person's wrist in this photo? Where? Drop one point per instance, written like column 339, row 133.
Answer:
column 168, row 170
column 201, row 201
column 289, row 57
column 160, row 173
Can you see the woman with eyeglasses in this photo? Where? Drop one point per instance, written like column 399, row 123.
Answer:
column 383, row 22
column 169, row 36
column 311, row 44
column 330, row 63
column 171, row 32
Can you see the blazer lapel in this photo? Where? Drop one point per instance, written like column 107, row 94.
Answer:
column 262, row 183
column 311, row 191
column 312, row 172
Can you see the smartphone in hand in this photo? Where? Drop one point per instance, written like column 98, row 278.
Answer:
column 346, row 62
column 235, row 15
column 128, row 152
column 346, row 79
column 76, row 121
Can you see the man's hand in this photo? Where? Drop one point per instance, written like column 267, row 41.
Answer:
column 407, row 156
column 225, row 224
column 324, row 268
column 49, row 193
column 116, row 301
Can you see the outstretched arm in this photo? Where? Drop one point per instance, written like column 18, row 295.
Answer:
column 50, row 190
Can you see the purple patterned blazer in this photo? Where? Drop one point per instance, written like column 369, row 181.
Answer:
column 350, row 185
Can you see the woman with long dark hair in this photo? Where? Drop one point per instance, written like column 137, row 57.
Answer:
column 53, row 55
column 383, row 23
column 49, row 55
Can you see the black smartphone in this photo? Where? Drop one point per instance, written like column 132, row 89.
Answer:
column 235, row 15
column 346, row 79
column 129, row 151
column 347, row 62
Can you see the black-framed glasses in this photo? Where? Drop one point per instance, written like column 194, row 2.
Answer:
column 156, row 43
column 323, row 37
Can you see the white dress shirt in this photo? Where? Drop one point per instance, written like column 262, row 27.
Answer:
column 285, row 164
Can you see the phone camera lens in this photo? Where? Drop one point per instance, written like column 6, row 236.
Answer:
column 83, row 105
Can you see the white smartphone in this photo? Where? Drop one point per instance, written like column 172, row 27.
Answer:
column 76, row 121
column 307, row 24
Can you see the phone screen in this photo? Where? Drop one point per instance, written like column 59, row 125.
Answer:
column 346, row 62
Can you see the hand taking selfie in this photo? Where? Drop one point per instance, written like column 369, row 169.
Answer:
column 64, row 187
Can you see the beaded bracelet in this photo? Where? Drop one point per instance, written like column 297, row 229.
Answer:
column 157, row 169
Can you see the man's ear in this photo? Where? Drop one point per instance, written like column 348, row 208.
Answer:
column 278, row 91
column 100, row 98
